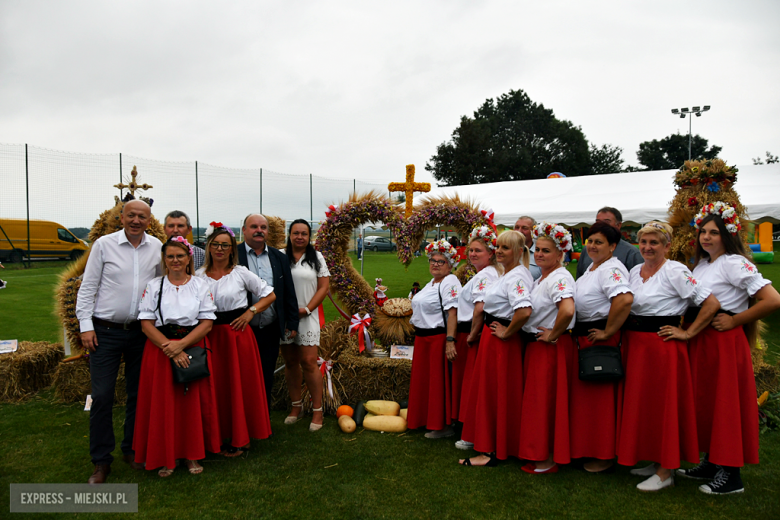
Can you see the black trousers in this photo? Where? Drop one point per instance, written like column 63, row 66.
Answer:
column 113, row 344
column 268, row 339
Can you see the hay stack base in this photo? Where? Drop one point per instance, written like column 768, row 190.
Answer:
column 28, row 370
column 72, row 383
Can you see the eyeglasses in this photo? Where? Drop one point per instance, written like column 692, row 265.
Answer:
column 437, row 262
column 217, row 245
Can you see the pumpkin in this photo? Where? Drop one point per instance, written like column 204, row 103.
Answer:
column 344, row 410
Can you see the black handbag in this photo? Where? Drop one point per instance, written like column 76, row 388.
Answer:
column 600, row 363
column 198, row 355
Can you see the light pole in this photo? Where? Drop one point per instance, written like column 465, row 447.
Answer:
column 682, row 112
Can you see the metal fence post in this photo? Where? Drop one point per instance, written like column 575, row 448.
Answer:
column 197, row 205
column 311, row 199
column 121, row 191
column 27, row 187
column 261, row 191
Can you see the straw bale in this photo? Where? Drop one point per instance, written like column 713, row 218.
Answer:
column 29, row 369
column 72, row 382
column 276, row 232
column 393, row 330
column 767, row 378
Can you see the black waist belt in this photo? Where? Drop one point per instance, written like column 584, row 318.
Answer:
column 489, row 318
column 527, row 337
column 581, row 328
column 227, row 317
column 130, row 325
column 650, row 323
column 693, row 312
column 464, row 326
column 174, row 331
column 423, row 333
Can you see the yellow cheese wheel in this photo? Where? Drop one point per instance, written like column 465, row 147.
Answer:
column 383, row 407
column 385, row 423
column 347, row 424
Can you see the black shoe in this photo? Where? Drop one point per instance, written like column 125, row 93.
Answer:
column 706, row 470
column 726, row 482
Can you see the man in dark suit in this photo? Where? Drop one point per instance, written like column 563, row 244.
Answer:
column 273, row 266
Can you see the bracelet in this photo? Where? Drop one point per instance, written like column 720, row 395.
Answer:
column 553, row 341
column 307, row 311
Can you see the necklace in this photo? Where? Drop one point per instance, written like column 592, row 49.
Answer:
column 642, row 272
column 177, row 285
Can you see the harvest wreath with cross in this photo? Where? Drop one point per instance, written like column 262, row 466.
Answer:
column 408, row 228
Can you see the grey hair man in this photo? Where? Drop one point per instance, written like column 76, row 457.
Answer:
column 177, row 224
column 625, row 252
column 525, row 226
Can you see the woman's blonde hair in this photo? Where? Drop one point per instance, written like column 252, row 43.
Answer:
column 184, row 247
column 232, row 260
column 662, row 229
column 516, row 242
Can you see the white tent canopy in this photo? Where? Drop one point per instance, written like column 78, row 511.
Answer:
column 640, row 196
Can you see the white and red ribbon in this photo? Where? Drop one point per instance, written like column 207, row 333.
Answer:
column 331, row 209
column 360, row 327
column 325, row 368
column 489, row 214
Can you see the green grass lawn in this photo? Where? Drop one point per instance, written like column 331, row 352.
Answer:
column 328, row 474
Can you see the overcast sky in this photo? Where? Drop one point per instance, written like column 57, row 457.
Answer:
column 360, row 89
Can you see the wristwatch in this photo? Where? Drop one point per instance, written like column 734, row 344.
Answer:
column 253, row 309
column 450, row 338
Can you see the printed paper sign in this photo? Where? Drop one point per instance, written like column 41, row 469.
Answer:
column 401, row 352
column 8, row 345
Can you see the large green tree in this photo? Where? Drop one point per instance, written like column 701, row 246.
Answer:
column 511, row 138
column 671, row 152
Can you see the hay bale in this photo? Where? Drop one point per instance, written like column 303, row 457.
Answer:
column 29, row 369
column 72, row 382
column 767, row 378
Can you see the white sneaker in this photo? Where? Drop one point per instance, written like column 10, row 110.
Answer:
column 655, row 483
column 448, row 431
column 647, row 471
column 464, row 445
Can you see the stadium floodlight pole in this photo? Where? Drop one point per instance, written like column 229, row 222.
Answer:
column 682, row 112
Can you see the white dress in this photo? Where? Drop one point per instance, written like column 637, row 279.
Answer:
column 305, row 281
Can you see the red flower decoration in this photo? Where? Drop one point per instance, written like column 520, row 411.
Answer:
column 693, row 201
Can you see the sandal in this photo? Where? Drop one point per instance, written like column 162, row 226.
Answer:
column 313, row 427
column 165, row 472
column 491, row 463
column 292, row 419
column 233, row 451
column 193, row 467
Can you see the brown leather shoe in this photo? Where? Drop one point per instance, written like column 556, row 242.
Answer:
column 101, row 473
column 130, row 459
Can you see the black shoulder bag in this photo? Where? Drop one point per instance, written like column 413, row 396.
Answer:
column 600, row 363
column 199, row 366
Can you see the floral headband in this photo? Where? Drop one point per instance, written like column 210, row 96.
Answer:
column 444, row 248
column 554, row 232
column 183, row 240
column 215, row 226
column 727, row 213
column 663, row 230
column 487, row 234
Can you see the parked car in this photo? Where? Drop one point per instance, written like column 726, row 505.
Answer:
column 47, row 239
column 378, row 244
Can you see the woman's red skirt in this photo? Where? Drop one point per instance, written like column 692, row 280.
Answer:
column 239, row 386
column 468, row 376
column 725, row 396
column 656, row 414
column 544, row 425
column 496, row 394
column 457, row 381
column 592, row 410
column 170, row 424
column 428, row 396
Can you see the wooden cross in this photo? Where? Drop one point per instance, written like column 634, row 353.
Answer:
column 409, row 187
column 133, row 186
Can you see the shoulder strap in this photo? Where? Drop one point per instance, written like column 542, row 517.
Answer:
column 441, row 305
column 159, row 299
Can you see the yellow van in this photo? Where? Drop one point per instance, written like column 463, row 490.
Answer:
column 47, row 239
